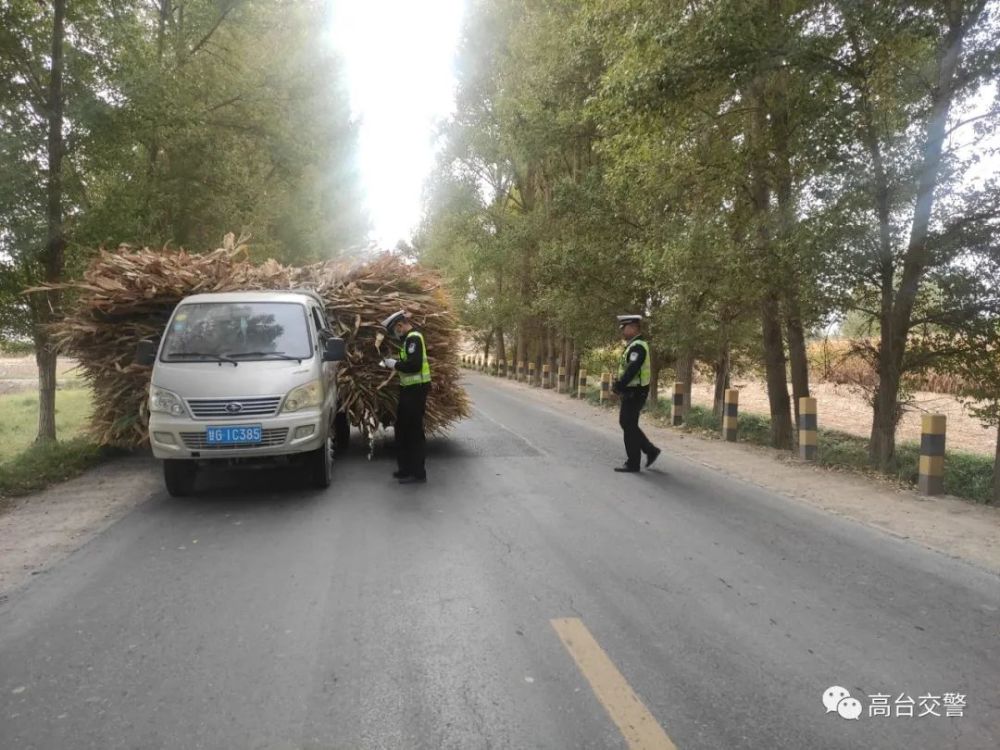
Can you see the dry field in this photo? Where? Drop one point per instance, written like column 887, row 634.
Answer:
column 18, row 374
column 843, row 408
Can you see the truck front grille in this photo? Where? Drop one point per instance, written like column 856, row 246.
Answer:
column 233, row 408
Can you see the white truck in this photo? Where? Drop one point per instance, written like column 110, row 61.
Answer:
column 245, row 378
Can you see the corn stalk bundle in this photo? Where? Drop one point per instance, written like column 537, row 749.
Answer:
column 128, row 295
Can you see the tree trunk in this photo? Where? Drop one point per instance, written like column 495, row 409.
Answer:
column 46, row 308
column 721, row 381
column 996, row 471
column 501, row 347
column 797, row 355
column 774, row 365
column 655, row 365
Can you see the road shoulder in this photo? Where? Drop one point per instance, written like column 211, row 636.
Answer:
column 41, row 529
column 954, row 527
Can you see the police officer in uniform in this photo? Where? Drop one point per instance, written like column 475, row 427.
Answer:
column 414, row 384
column 632, row 386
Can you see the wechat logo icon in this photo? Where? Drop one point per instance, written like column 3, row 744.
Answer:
column 838, row 699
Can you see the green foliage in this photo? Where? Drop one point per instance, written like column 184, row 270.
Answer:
column 46, row 463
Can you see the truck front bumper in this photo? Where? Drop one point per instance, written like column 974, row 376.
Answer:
column 282, row 435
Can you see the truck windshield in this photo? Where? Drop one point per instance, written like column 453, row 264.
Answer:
column 214, row 331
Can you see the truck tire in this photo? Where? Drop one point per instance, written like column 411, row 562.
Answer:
column 321, row 465
column 341, row 433
column 179, row 477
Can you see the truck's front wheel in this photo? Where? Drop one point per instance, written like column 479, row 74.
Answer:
column 321, row 465
column 179, row 477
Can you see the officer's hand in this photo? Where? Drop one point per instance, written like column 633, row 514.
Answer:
column 389, row 363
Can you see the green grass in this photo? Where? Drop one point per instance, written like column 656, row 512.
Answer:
column 26, row 466
column 966, row 475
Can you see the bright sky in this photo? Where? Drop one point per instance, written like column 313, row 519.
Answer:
column 399, row 56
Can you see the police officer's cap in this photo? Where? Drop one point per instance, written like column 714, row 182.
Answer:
column 624, row 320
column 396, row 317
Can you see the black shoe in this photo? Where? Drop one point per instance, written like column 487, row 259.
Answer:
column 627, row 469
column 652, row 456
column 399, row 474
column 413, row 480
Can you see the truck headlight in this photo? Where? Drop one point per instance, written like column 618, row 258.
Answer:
column 165, row 402
column 309, row 394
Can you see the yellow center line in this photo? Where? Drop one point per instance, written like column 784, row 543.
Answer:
column 637, row 725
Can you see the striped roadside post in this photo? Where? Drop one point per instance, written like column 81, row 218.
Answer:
column 520, row 371
column 495, row 367
column 581, row 384
column 932, row 430
column 502, row 371
column 605, row 386
column 531, row 373
column 730, row 414
column 561, row 380
column 808, row 429
column 680, row 407
column 546, row 375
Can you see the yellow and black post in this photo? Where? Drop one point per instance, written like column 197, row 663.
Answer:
column 520, row 371
column 808, row 429
column 531, row 373
column 546, row 375
column 605, row 386
column 561, row 380
column 581, row 384
column 731, row 414
column 680, row 406
column 931, row 478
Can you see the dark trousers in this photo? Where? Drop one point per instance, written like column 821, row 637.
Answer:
column 410, row 441
column 636, row 442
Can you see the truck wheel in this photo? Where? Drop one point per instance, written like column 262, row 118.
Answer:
column 341, row 433
column 179, row 477
column 321, row 465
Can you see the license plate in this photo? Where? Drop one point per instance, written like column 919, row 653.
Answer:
column 243, row 434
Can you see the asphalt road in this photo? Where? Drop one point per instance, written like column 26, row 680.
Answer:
column 527, row 597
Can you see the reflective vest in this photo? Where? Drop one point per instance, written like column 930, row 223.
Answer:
column 415, row 378
column 643, row 377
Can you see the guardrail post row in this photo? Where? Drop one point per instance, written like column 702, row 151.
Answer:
column 932, row 431
column 808, row 429
column 531, row 373
column 605, row 386
column 561, row 380
column 581, row 384
column 546, row 375
column 680, row 406
column 730, row 414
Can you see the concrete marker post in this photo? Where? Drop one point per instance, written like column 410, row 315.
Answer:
column 531, row 374
column 808, row 429
column 932, row 431
column 581, row 384
column 605, row 386
column 730, row 414
column 680, row 405
column 546, row 375
column 561, row 380
column 502, row 371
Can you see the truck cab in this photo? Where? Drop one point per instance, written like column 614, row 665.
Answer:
column 244, row 378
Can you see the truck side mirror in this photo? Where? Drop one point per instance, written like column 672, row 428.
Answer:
column 145, row 353
column 335, row 350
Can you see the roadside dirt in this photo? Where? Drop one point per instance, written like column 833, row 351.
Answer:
column 954, row 527
column 38, row 530
column 843, row 408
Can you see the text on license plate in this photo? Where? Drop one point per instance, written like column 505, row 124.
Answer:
column 244, row 434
